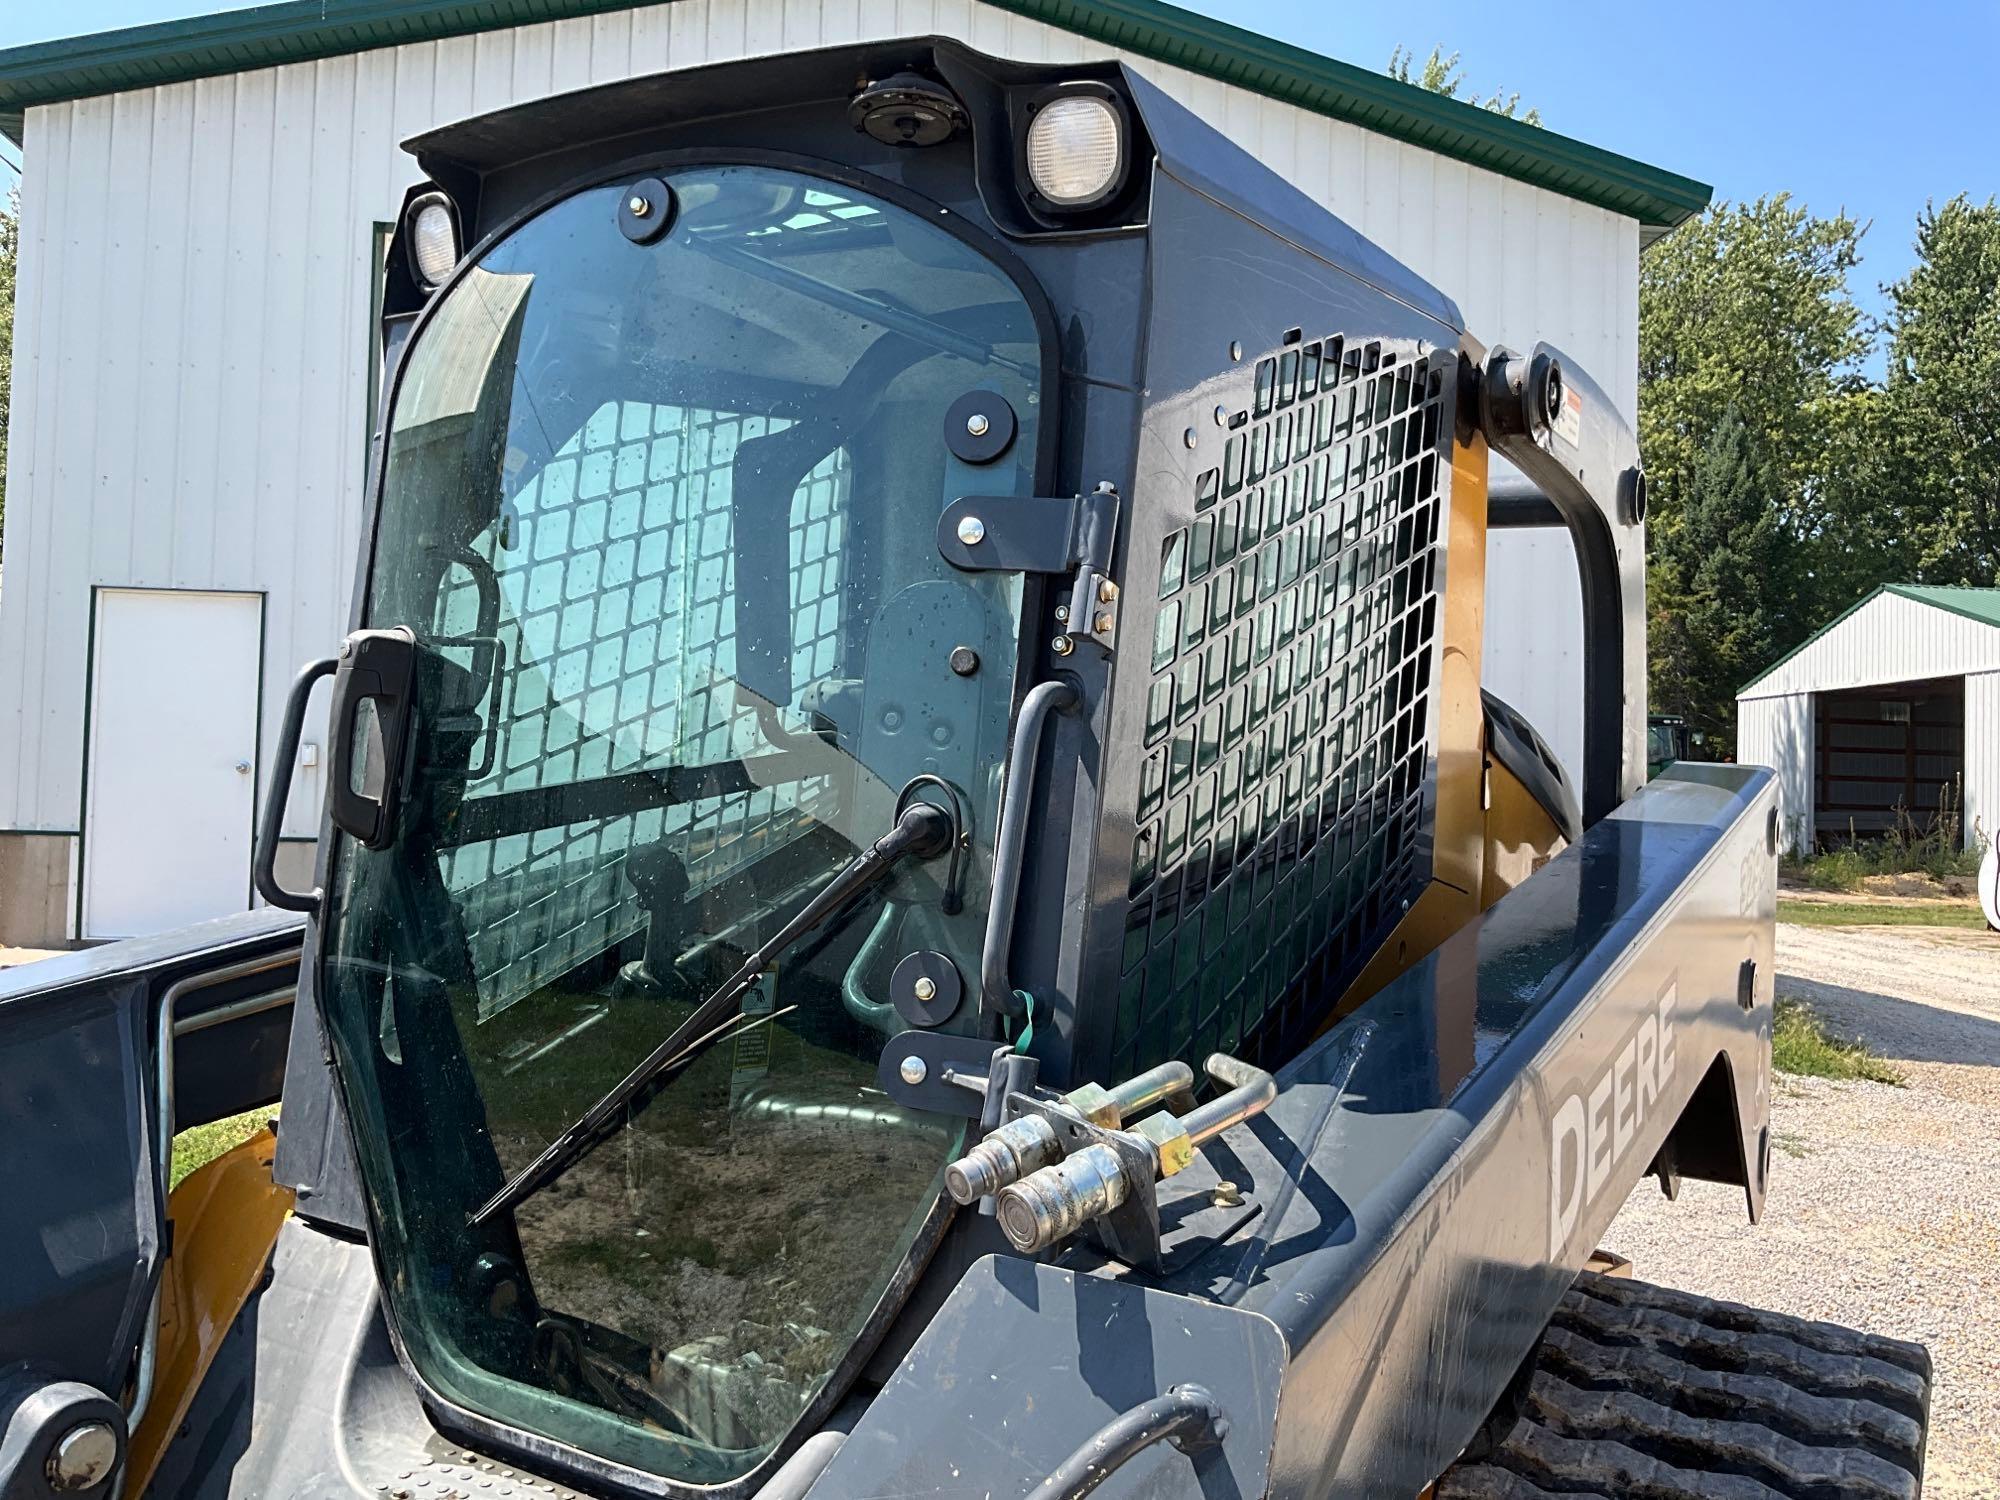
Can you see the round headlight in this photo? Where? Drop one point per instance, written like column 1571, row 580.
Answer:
column 1076, row 150
column 433, row 239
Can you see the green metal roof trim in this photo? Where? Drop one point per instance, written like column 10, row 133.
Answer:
column 303, row 30
column 1982, row 605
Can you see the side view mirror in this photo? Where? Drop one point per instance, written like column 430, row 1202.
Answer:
column 373, row 681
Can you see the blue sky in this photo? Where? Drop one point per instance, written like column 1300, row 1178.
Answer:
column 1867, row 108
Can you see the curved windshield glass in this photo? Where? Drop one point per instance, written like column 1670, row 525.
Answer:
column 662, row 519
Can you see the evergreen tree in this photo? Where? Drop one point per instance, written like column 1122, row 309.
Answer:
column 1714, row 616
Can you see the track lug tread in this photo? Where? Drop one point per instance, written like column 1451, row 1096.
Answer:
column 1646, row 1393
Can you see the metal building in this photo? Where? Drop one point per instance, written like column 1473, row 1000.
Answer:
column 1890, row 713
column 204, row 208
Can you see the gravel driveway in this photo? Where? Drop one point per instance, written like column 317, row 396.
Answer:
column 1884, row 1209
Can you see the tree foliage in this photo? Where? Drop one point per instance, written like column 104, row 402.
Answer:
column 1715, row 613
column 1440, row 74
column 1938, row 428
column 1751, row 399
column 1747, row 306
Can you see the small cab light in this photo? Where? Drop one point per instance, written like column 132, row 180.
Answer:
column 1076, row 149
column 433, row 239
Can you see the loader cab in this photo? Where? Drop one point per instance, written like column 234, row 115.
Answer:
column 749, row 473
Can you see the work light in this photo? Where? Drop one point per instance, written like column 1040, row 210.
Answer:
column 433, row 239
column 1076, row 148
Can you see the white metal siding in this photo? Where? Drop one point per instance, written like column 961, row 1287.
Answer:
column 1891, row 638
column 1982, row 756
column 1778, row 732
column 191, row 358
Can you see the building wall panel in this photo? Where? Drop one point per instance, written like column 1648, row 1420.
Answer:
column 196, row 266
column 1778, row 732
column 1982, row 756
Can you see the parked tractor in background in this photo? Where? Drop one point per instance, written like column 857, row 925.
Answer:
column 919, row 893
column 1666, row 742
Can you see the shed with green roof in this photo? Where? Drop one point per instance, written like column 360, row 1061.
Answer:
column 1887, row 719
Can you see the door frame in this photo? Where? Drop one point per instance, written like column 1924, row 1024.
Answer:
column 79, row 870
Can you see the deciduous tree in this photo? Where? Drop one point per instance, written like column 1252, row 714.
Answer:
column 1748, row 337
column 1938, row 437
column 1442, row 75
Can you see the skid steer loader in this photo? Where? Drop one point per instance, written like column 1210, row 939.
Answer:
column 919, row 894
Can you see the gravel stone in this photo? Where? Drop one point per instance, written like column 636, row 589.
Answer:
column 1884, row 1208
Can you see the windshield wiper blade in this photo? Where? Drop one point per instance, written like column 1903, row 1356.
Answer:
column 923, row 830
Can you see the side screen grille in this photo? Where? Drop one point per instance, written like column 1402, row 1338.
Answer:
column 617, row 580
column 1281, row 817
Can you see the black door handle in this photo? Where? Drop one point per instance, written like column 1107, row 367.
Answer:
column 264, row 866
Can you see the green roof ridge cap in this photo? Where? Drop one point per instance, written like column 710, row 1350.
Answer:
column 1945, row 596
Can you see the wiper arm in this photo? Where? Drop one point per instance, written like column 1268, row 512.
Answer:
column 923, row 830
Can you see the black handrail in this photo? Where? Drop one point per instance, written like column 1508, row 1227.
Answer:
column 1186, row 1416
column 996, row 987
column 264, row 865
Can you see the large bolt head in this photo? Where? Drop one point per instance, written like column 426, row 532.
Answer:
column 1169, row 1140
column 971, row 530
column 912, row 1070
column 83, row 1457
column 1094, row 1102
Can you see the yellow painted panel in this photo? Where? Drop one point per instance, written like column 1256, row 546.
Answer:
column 226, row 1217
column 1520, row 835
column 1460, row 829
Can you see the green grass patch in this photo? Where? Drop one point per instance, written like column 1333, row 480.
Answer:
column 1790, row 1143
column 1908, row 849
column 1881, row 913
column 197, row 1147
column 1800, row 1043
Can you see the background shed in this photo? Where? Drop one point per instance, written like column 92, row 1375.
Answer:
column 1891, row 712
column 205, row 205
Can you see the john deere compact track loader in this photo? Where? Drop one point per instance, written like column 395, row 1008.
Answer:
column 919, row 894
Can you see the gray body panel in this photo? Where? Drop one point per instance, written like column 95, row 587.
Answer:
column 1494, row 1122
column 1001, row 1397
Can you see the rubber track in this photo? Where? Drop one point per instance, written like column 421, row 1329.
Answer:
column 1644, row 1393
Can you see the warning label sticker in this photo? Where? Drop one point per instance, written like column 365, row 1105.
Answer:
column 1569, row 420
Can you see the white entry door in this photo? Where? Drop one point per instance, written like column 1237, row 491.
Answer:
column 173, row 756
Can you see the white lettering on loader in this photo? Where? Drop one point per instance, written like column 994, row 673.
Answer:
column 1591, row 1131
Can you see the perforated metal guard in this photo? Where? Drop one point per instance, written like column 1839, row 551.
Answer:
column 612, row 668
column 1282, row 806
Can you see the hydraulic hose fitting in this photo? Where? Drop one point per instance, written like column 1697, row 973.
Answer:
column 1054, row 1203
column 1006, row 1156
